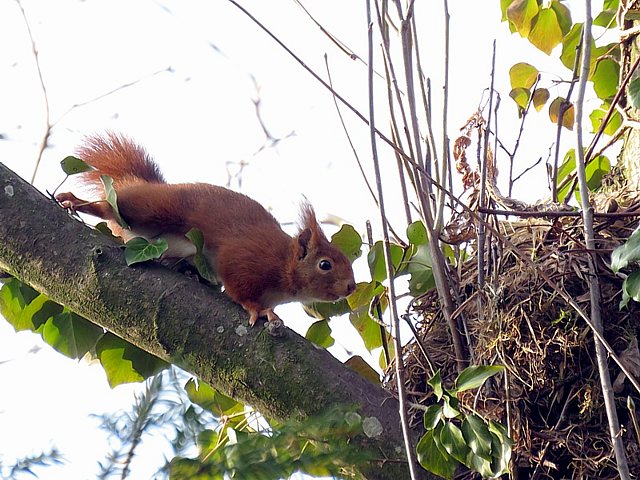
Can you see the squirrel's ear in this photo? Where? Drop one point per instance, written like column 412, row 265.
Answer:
column 303, row 239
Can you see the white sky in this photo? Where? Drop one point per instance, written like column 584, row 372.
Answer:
column 199, row 116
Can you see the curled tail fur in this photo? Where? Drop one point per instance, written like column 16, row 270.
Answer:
column 120, row 158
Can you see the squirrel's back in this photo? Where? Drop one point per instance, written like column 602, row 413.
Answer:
column 120, row 158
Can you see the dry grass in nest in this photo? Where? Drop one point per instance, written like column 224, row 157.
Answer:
column 550, row 395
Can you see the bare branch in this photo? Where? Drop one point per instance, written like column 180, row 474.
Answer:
column 594, row 284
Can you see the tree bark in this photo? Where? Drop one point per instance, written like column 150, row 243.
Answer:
column 184, row 322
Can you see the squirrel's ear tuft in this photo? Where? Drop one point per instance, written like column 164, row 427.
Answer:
column 308, row 216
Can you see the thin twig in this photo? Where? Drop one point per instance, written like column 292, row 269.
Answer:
column 392, row 80
column 594, row 284
column 557, row 214
column 520, row 131
column 346, row 132
column 483, row 176
column 445, row 117
column 564, row 106
column 42, row 145
column 395, row 321
column 439, row 267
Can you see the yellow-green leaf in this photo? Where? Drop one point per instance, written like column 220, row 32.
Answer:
column 210, row 399
column 545, row 33
column 112, row 198
column 568, row 118
column 348, row 241
column 72, row 165
column 124, row 362
column 523, row 75
column 521, row 97
column 320, row 333
column 358, row 364
column 520, row 13
column 563, row 14
column 540, row 97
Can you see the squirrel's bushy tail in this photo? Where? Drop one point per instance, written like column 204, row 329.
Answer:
column 120, row 158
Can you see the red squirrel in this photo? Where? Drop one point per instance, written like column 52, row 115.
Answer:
column 259, row 264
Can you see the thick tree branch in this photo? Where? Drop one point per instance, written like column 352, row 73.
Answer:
column 183, row 322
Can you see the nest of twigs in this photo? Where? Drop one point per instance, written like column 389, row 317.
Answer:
column 550, row 396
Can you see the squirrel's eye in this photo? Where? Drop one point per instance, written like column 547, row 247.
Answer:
column 324, row 265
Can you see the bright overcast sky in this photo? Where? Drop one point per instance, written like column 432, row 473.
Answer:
column 192, row 108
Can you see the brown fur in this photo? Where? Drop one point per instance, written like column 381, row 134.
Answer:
column 259, row 264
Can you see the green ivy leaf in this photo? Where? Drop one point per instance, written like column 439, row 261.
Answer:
column 422, row 279
column 207, row 441
column 605, row 78
column 364, row 293
column 450, row 407
column 501, row 446
column 480, row 464
column 417, row 233
column 139, row 249
column 607, row 17
column 432, row 416
column 24, row 308
column 540, row 97
column 571, row 41
column 546, row 32
column 377, row 265
column 477, row 436
column 348, row 241
column 520, row 14
column 431, row 458
column 14, row 297
column 368, row 329
column 200, row 261
column 595, row 170
column 633, row 92
column 597, row 116
column 358, row 364
column 326, row 310
column 566, row 168
column 34, row 315
column 631, row 289
column 112, row 199
column 453, row 442
column 523, row 75
column 104, row 229
column 210, row 399
column 628, row 252
column 435, row 382
column 72, row 165
column 124, row 362
column 320, row 333
column 71, row 335
column 475, row 375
